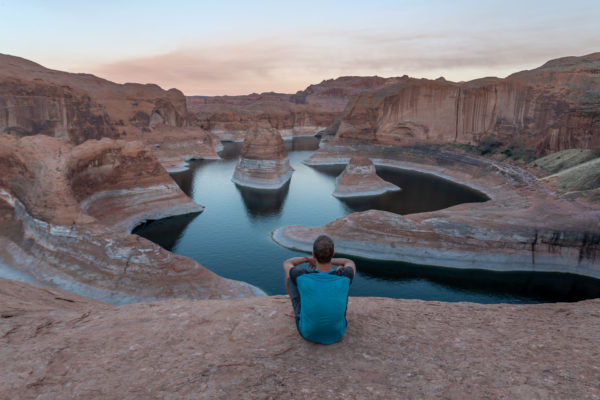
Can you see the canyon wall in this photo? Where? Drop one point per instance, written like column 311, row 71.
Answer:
column 551, row 108
column 77, row 107
column 305, row 113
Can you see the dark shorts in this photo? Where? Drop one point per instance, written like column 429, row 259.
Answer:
column 295, row 297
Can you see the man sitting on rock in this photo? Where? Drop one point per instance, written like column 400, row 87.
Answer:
column 319, row 292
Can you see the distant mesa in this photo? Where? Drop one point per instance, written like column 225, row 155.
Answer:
column 306, row 113
column 78, row 107
column 360, row 179
column 263, row 162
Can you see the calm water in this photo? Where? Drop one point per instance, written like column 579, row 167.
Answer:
column 232, row 236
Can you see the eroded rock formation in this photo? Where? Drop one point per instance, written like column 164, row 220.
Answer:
column 249, row 348
column 263, row 162
column 306, row 113
column 173, row 146
column 551, row 108
column 77, row 107
column 524, row 226
column 359, row 178
column 66, row 212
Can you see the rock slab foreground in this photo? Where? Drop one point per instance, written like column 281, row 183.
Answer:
column 55, row 344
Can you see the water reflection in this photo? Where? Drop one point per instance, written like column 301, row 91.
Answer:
column 330, row 170
column 420, row 192
column 304, row 143
column 165, row 232
column 524, row 286
column 264, row 203
column 184, row 180
column 231, row 150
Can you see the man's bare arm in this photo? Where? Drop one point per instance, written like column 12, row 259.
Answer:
column 343, row 262
column 292, row 262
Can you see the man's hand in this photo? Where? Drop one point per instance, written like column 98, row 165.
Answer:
column 292, row 262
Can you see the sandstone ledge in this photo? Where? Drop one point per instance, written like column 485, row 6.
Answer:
column 523, row 227
column 57, row 345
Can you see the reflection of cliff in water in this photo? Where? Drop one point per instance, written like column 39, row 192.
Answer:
column 420, row 192
column 231, row 150
column 263, row 203
column 165, row 232
column 537, row 286
column 330, row 170
column 185, row 181
column 302, row 143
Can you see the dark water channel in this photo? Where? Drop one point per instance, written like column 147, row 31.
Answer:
column 232, row 236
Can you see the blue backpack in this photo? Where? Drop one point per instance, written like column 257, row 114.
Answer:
column 323, row 302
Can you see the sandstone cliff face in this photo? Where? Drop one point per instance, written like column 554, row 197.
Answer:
column 66, row 212
column 359, row 178
column 57, row 345
column 263, row 162
column 554, row 107
column 77, row 107
column 305, row 113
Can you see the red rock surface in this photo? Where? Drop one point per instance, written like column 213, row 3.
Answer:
column 305, row 113
column 57, row 345
column 551, row 108
column 77, row 107
column 359, row 178
column 66, row 212
column 263, row 161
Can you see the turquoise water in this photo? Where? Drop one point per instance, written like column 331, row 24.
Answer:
column 232, row 236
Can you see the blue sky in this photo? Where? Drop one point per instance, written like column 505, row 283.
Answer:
column 239, row 47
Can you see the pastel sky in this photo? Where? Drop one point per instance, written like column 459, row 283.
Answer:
column 240, row 47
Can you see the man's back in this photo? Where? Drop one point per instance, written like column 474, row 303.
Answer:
column 319, row 291
column 323, row 302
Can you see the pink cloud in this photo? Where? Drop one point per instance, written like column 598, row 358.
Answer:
column 288, row 63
